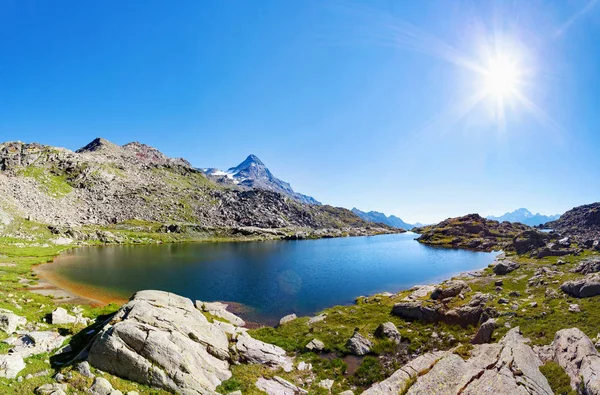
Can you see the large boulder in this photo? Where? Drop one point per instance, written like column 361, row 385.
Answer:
column 358, row 344
column 576, row 353
column 470, row 314
column 585, row 287
column 449, row 289
column 505, row 266
column 507, row 367
column 254, row 351
column 160, row 339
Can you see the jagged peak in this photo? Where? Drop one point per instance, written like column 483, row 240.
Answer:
column 96, row 145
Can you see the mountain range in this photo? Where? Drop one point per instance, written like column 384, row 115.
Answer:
column 105, row 184
column 252, row 173
column 526, row 217
column 377, row 217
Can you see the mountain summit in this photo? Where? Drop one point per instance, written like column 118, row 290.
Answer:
column 253, row 173
column 525, row 216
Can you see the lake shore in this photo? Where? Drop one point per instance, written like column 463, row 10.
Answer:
column 95, row 295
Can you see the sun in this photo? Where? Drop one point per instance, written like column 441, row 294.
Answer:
column 501, row 77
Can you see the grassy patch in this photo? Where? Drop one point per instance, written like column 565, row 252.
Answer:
column 559, row 380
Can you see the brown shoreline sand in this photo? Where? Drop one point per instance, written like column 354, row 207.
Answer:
column 68, row 291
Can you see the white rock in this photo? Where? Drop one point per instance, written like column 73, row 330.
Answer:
column 11, row 365
column 61, row 317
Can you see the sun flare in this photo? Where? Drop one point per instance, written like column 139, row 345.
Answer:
column 501, row 77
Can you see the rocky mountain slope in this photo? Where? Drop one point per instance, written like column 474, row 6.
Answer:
column 103, row 183
column 582, row 222
column 524, row 216
column 377, row 217
column 252, row 173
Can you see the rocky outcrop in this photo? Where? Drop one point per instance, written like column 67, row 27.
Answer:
column 60, row 317
column 576, row 353
column 582, row 223
column 469, row 314
column 585, row 287
column 529, row 240
column 588, row 267
column 26, row 344
column 160, row 339
column 278, row 386
column 449, row 289
column 11, row 365
column 220, row 310
column 315, row 345
column 508, row 367
column 472, row 232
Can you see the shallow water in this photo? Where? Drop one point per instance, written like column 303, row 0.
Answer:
column 269, row 279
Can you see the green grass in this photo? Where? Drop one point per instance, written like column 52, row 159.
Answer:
column 49, row 183
column 557, row 378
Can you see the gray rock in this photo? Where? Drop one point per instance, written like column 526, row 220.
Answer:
column 61, row 317
column 417, row 310
column 37, row 342
column 588, row 267
column 220, row 310
column 11, row 365
column 449, row 289
column 287, row 318
column 9, row 321
column 326, row 384
column 485, row 332
column 315, row 345
column 160, row 339
column 400, row 380
column 278, row 386
column 505, row 267
column 583, row 288
column 358, row 344
column 317, row 318
column 576, row 353
column 503, row 301
column 84, row 369
column 420, row 291
column 101, row 386
column 388, row 330
column 52, row 389
column 507, row 367
column 347, row 392
column 255, row 351
column 574, row 308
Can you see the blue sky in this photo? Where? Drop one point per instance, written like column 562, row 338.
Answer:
column 356, row 103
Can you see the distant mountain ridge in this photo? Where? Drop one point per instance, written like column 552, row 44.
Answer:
column 376, row 216
column 526, row 217
column 253, row 173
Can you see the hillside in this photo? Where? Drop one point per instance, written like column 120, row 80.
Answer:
column 582, row 222
column 106, row 184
